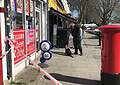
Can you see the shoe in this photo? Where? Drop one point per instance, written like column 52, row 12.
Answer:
column 76, row 53
column 72, row 56
column 81, row 54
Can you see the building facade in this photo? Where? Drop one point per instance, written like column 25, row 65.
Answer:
column 23, row 25
column 59, row 19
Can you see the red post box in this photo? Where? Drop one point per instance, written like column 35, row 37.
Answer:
column 1, row 70
column 1, row 73
column 110, row 53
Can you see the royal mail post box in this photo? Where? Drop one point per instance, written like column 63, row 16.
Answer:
column 1, row 68
column 110, row 54
column 1, row 73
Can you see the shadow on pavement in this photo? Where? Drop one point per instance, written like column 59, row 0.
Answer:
column 98, row 47
column 90, row 45
column 44, row 65
column 17, row 83
column 92, row 37
column 62, row 53
column 71, row 79
column 59, row 53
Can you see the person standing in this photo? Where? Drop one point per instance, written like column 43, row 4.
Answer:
column 67, row 47
column 76, row 39
column 82, row 30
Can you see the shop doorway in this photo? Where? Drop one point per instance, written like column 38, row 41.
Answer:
column 38, row 27
column 9, row 61
column 8, row 55
column 8, row 27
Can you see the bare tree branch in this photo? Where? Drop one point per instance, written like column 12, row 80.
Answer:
column 105, row 9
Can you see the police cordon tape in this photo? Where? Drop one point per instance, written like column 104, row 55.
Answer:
column 3, row 55
column 56, row 82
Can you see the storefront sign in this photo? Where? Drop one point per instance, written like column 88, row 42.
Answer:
column 20, row 6
column 19, row 45
column 31, row 8
column 30, row 41
column 28, row 7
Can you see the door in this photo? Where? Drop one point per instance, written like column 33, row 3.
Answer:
column 8, row 27
column 38, row 27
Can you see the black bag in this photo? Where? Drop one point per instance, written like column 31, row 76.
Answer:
column 68, row 52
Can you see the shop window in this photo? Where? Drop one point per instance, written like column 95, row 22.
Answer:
column 30, row 22
column 19, row 22
column 38, row 4
column 59, row 22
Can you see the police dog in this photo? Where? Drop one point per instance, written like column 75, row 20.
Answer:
column 68, row 51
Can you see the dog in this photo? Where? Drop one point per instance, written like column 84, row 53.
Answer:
column 68, row 52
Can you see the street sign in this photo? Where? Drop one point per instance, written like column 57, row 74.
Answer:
column 45, row 46
column 47, row 55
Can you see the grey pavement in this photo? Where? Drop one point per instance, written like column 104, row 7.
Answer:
column 79, row 70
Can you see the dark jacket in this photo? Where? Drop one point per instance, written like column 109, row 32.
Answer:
column 67, row 36
column 76, row 36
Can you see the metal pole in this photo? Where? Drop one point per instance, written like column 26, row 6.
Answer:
column 25, row 29
column 47, row 21
column 34, row 16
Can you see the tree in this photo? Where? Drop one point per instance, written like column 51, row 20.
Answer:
column 105, row 9
column 97, row 11
column 81, row 6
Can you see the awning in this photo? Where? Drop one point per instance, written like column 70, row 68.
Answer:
column 67, row 17
column 60, row 3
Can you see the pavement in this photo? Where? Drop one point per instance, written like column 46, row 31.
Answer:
column 79, row 70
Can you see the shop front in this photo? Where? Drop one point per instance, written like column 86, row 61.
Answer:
column 23, row 29
column 59, row 19
column 22, row 33
column 58, row 26
column 3, row 68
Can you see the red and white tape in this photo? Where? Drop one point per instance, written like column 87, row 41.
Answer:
column 2, row 10
column 56, row 82
column 3, row 55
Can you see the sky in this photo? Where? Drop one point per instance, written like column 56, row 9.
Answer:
column 75, row 13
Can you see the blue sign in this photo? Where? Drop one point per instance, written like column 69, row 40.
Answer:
column 45, row 47
column 47, row 55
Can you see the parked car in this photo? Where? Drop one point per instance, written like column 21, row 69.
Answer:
column 90, row 26
column 95, row 32
column 93, row 29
